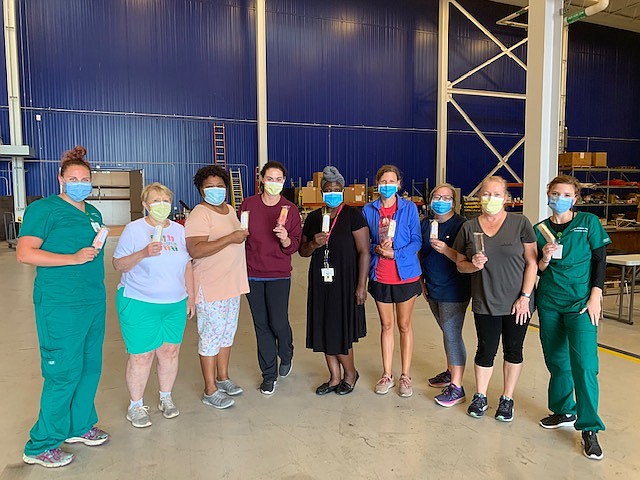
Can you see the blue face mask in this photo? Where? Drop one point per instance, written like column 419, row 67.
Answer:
column 560, row 204
column 388, row 190
column 78, row 191
column 215, row 195
column 441, row 207
column 332, row 199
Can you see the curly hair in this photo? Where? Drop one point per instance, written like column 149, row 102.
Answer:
column 75, row 156
column 210, row 171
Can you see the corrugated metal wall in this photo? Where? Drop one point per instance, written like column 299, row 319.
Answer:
column 351, row 82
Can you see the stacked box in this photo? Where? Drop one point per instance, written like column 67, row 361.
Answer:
column 599, row 159
column 349, row 195
column 574, row 159
column 360, row 192
column 310, row 195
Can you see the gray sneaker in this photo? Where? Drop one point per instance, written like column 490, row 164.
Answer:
column 139, row 416
column 227, row 386
column 168, row 408
column 219, row 399
column 285, row 368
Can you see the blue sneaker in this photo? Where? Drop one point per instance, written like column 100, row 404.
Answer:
column 450, row 396
column 478, row 406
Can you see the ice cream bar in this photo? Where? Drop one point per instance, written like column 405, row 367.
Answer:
column 546, row 233
column 478, row 241
column 282, row 218
column 392, row 229
column 326, row 220
column 100, row 238
column 157, row 234
column 434, row 230
column 244, row 220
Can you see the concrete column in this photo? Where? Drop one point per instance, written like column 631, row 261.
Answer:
column 544, row 54
column 261, row 81
column 443, row 95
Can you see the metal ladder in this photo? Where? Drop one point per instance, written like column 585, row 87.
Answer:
column 219, row 146
column 237, row 195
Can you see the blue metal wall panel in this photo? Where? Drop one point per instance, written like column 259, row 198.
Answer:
column 351, row 82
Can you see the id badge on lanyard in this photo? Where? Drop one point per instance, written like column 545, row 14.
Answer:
column 327, row 271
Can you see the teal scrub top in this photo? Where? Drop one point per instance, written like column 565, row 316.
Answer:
column 566, row 282
column 65, row 229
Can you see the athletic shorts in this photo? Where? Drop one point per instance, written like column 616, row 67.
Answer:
column 385, row 293
column 146, row 326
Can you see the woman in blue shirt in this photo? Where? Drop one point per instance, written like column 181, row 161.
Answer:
column 394, row 274
column 447, row 290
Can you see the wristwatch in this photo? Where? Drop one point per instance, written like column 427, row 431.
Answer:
column 527, row 295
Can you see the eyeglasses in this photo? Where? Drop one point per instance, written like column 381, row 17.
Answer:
column 446, row 198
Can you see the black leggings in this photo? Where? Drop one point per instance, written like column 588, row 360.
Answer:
column 489, row 328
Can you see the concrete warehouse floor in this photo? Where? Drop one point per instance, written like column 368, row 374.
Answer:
column 295, row 434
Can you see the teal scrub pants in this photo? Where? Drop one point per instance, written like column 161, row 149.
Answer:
column 71, row 340
column 570, row 346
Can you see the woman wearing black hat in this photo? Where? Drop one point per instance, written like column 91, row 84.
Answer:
column 336, row 237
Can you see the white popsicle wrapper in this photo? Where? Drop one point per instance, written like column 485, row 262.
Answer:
column 244, row 220
column 326, row 220
column 434, row 230
column 100, row 238
column 157, row 233
column 392, row 228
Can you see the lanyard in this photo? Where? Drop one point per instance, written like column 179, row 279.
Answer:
column 333, row 224
column 326, row 245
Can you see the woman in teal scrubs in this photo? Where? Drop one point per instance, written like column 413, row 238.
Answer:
column 70, row 306
column 572, row 269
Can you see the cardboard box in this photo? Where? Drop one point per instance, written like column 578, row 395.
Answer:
column 317, row 178
column 310, row 195
column 359, row 188
column 599, row 159
column 574, row 159
column 349, row 195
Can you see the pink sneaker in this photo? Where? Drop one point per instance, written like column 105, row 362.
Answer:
column 56, row 457
column 384, row 384
column 92, row 438
column 406, row 390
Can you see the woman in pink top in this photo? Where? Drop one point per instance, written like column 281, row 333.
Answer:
column 215, row 241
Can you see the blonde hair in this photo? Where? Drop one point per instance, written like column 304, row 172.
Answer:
column 158, row 187
column 497, row 179
column 445, row 185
